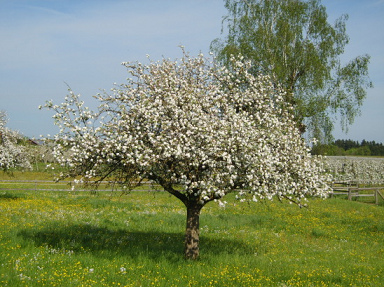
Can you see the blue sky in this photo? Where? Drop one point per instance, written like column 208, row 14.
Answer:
column 48, row 43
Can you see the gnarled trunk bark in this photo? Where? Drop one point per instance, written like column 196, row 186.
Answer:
column 192, row 232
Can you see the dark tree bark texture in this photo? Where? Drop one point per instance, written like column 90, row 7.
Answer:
column 192, row 232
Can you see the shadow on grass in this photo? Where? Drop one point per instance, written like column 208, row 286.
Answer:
column 105, row 242
column 7, row 195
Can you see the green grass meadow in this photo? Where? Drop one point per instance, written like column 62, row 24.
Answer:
column 62, row 238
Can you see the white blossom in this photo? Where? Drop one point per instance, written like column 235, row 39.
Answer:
column 198, row 129
column 12, row 154
column 358, row 169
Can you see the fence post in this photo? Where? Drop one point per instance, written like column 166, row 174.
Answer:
column 377, row 196
column 349, row 194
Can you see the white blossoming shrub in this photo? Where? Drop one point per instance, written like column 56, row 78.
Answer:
column 360, row 169
column 199, row 130
column 11, row 154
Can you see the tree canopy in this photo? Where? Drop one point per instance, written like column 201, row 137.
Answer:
column 197, row 129
column 293, row 43
column 11, row 153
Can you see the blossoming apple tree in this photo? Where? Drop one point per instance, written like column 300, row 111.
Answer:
column 197, row 129
column 11, row 153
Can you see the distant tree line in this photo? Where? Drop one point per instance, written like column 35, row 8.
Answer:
column 349, row 147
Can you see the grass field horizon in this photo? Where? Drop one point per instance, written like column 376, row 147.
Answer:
column 53, row 238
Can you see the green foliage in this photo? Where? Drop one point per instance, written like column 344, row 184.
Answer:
column 349, row 147
column 293, row 43
column 363, row 150
column 327, row 149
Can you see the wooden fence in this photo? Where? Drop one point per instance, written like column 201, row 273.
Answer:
column 353, row 190
column 44, row 185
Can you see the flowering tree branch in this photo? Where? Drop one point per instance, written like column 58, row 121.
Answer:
column 199, row 130
column 12, row 154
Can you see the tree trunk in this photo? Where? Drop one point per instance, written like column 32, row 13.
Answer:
column 192, row 231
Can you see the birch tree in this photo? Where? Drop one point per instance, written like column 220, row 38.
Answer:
column 293, row 42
